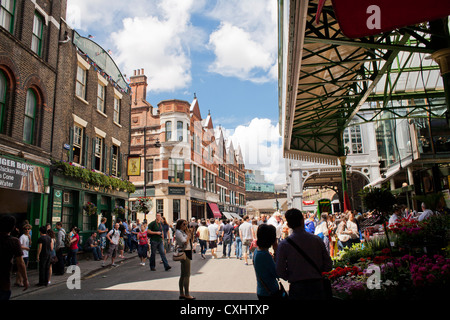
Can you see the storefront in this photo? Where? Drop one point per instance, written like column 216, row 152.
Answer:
column 69, row 200
column 24, row 194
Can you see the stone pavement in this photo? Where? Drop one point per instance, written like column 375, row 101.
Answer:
column 87, row 267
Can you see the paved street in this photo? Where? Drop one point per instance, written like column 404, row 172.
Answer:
column 211, row 279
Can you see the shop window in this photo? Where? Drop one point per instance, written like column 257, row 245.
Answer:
column 7, row 10
column 36, row 40
column 176, row 209
column 160, row 206
column 30, row 117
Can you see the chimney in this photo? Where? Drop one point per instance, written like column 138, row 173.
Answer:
column 138, row 84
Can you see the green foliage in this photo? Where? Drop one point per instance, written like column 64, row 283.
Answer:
column 380, row 199
column 92, row 177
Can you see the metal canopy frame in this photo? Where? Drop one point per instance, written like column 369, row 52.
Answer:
column 333, row 80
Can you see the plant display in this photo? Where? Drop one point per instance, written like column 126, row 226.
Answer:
column 90, row 208
column 92, row 177
column 143, row 204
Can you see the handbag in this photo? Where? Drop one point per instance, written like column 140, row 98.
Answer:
column 326, row 282
column 179, row 256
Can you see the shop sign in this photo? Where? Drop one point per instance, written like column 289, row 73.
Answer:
column 21, row 176
column 57, row 205
column 177, row 191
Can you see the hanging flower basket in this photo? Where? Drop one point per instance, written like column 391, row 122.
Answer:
column 90, row 209
column 119, row 210
column 143, row 205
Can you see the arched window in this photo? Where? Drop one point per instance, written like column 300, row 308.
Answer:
column 3, row 90
column 168, row 130
column 30, row 117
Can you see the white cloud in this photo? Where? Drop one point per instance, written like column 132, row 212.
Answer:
column 261, row 147
column 245, row 44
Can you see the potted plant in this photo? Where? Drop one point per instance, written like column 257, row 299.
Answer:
column 90, row 208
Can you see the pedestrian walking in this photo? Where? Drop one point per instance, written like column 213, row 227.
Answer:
column 142, row 244
column 227, row 238
column 246, row 235
column 213, row 233
column 58, row 267
column 184, row 239
column 301, row 259
column 45, row 246
column 155, row 231
column 10, row 250
column 203, row 237
column 53, row 258
column 237, row 236
column 113, row 237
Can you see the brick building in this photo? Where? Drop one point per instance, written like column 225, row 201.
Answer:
column 179, row 159
column 29, row 36
column 64, row 120
column 92, row 113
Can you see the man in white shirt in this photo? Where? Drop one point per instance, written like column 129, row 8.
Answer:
column 275, row 220
column 426, row 213
column 395, row 217
column 213, row 229
column 245, row 233
column 113, row 238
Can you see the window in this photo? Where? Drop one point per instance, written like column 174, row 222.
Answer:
column 176, row 170
column 176, row 209
column 150, row 170
column 179, row 130
column 30, row 117
column 77, row 143
column 353, row 140
column 116, row 110
column 159, row 206
column 98, row 154
column 115, row 160
column 7, row 8
column 168, row 130
column 101, row 98
column 3, row 90
column 36, row 40
column 81, row 82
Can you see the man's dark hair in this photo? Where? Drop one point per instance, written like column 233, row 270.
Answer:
column 267, row 235
column 294, row 218
column 7, row 223
column 43, row 229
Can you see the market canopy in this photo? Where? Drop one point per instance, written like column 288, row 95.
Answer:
column 329, row 81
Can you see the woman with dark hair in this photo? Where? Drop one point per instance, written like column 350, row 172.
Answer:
column 73, row 248
column 183, row 242
column 264, row 264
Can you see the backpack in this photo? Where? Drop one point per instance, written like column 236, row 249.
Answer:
column 66, row 239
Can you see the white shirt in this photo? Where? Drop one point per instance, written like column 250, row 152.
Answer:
column 245, row 230
column 393, row 219
column 213, row 230
column 25, row 242
column 114, row 235
column 425, row 214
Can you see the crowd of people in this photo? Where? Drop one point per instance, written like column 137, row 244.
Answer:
column 270, row 243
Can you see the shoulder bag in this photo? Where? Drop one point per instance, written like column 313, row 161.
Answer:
column 326, row 281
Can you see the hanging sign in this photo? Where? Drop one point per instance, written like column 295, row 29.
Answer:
column 18, row 175
column 134, row 166
column 362, row 18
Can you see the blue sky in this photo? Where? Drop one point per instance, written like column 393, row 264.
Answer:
column 224, row 51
